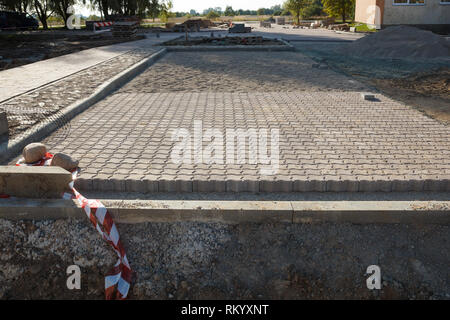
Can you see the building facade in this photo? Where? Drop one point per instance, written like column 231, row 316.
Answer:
column 427, row 14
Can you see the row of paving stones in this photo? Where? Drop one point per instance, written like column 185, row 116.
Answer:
column 27, row 110
column 332, row 141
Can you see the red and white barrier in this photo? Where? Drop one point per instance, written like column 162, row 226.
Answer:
column 118, row 280
column 102, row 24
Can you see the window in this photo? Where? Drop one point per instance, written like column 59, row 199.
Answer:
column 411, row 2
column 445, row 1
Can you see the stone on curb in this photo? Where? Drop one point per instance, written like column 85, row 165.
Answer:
column 368, row 96
column 34, row 152
column 64, row 161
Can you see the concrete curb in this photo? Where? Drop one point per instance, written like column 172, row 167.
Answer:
column 232, row 212
column 318, row 40
column 62, row 78
column 12, row 148
column 150, row 184
column 34, row 182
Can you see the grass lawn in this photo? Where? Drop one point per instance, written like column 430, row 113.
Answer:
column 362, row 27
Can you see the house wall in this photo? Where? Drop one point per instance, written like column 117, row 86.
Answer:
column 431, row 13
column 369, row 12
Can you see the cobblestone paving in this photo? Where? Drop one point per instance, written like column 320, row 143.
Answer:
column 26, row 110
column 239, row 72
column 332, row 141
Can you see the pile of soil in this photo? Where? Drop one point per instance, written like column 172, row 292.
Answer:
column 401, row 42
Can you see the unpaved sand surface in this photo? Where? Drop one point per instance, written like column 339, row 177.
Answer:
column 17, row 49
column 213, row 261
column 428, row 92
column 421, row 83
column 238, row 72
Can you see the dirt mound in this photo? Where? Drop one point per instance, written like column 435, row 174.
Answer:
column 401, row 42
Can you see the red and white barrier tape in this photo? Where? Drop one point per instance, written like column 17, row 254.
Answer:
column 118, row 280
column 103, row 24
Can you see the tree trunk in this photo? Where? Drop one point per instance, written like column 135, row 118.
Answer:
column 343, row 11
column 42, row 14
column 44, row 23
column 105, row 9
column 65, row 18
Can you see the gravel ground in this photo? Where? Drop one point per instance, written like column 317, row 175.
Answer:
column 26, row 110
column 420, row 83
column 199, row 261
column 331, row 55
column 238, row 72
column 18, row 48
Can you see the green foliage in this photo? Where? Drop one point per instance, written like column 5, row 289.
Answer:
column 314, row 9
column 153, row 9
column 165, row 12
column 60, row 7
column 212, row 15
column 362, row 27
column 339, row 8
column 296, row 7
column 16, row 5
column 229, row 12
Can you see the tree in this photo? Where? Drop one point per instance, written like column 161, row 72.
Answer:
column 164, row 10
column 212, row 15
column 102, row 5
column 296, row 7
column 261, row 12
column 314, row 9
column 229, row 12
column 343, row 8
column 43, row 10
column 16, row 5
column 154, row 9
column 61, row 7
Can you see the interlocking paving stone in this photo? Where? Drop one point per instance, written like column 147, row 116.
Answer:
column 329, row 141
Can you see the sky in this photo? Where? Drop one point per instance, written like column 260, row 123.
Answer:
column 200, row 5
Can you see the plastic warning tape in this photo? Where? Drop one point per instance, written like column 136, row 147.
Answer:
column 118, row 280
column 103, row 24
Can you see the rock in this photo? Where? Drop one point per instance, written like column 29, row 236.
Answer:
column 35, row 269
column 367, row 96
column 64, row 161
column 184, row 284
column 34, row 152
